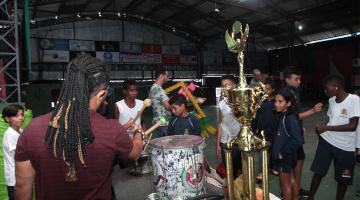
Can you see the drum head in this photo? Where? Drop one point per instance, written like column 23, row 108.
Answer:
column 176, row 141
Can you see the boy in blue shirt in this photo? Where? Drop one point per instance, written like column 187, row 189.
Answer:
column 182, row 122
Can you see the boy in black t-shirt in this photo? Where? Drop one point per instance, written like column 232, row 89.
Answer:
column 182, row 122
column 292, row 76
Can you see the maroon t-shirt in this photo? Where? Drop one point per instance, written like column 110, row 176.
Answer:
column 94, row 181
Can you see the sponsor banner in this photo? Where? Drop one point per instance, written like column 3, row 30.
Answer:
column 54, row 56
column 188, row 50
column 131, row 58
column 170, row 59
column 54, row 44
column 74, row 54
column 151, row 48
column 126, row 47
column 170, row 50
column 82, row 45
column 188, row 59
column 151, row 58
column 108, row 57
column 107, row 46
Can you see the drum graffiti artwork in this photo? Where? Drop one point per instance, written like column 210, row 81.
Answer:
column 178, row 165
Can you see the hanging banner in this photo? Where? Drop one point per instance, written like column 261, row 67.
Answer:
column 131, row 58
column 188, row 59
column 170, row 59
column 54, row 44
column 54, row 56
column 107, row 51
column 151, row 58
column 108, row 57
column 74, row 54
column 133, row 48
column 151, row 48
column 54, row 50
column 107, row 46
column 82, row 45
column 170, row 50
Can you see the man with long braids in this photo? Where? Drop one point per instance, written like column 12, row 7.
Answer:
column 68, row 153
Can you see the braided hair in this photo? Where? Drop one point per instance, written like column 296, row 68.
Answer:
column 69, row 130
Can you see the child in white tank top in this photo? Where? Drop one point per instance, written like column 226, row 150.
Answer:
column 127, row 109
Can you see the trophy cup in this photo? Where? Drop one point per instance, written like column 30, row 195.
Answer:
column 244, row 102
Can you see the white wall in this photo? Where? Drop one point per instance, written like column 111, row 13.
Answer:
column 108, row 30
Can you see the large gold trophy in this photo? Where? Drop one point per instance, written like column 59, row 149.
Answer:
column 244, row 102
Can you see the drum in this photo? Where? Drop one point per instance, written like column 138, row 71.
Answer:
column 178, row 166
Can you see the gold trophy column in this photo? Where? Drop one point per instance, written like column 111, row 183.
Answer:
column 244, row 102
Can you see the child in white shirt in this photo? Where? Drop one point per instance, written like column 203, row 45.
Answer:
column 14, row 115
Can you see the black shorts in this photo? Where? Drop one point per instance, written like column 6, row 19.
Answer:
column 300, row 153
column 285, row 165
column 344, row 162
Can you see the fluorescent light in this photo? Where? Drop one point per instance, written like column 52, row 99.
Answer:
column 334, row 38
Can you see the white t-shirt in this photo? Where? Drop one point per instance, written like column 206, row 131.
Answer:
column 126, row 113
column 358, row 133
column 230, row 127
column 9, row 146
column 340, row 114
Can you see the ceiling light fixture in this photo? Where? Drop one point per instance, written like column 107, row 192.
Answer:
column 56, row 17
column 32, row 21
column 173, row 29
column 300, row 27
column 119, row 14
column 78, row 15
column 99, row 13
column 216, row 9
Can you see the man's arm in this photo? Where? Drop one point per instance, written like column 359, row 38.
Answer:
column 137, row 147
column 167, row 105
column 25, row 175
column 116, row 112
column 218, row 136
column 351, row 126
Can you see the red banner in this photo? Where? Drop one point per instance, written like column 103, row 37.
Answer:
column 151, row 48
column 170, row 59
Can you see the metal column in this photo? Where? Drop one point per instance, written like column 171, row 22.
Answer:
column 9, row 52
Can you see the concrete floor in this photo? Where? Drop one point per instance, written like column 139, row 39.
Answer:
column 137, row 188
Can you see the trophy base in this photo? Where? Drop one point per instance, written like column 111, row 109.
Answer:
column 247, row 141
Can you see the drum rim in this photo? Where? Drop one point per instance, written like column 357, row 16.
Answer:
column 151, row 145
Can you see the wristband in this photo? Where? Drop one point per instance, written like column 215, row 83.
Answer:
column 140, row 132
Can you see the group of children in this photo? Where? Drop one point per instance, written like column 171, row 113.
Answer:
column 280, row 117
